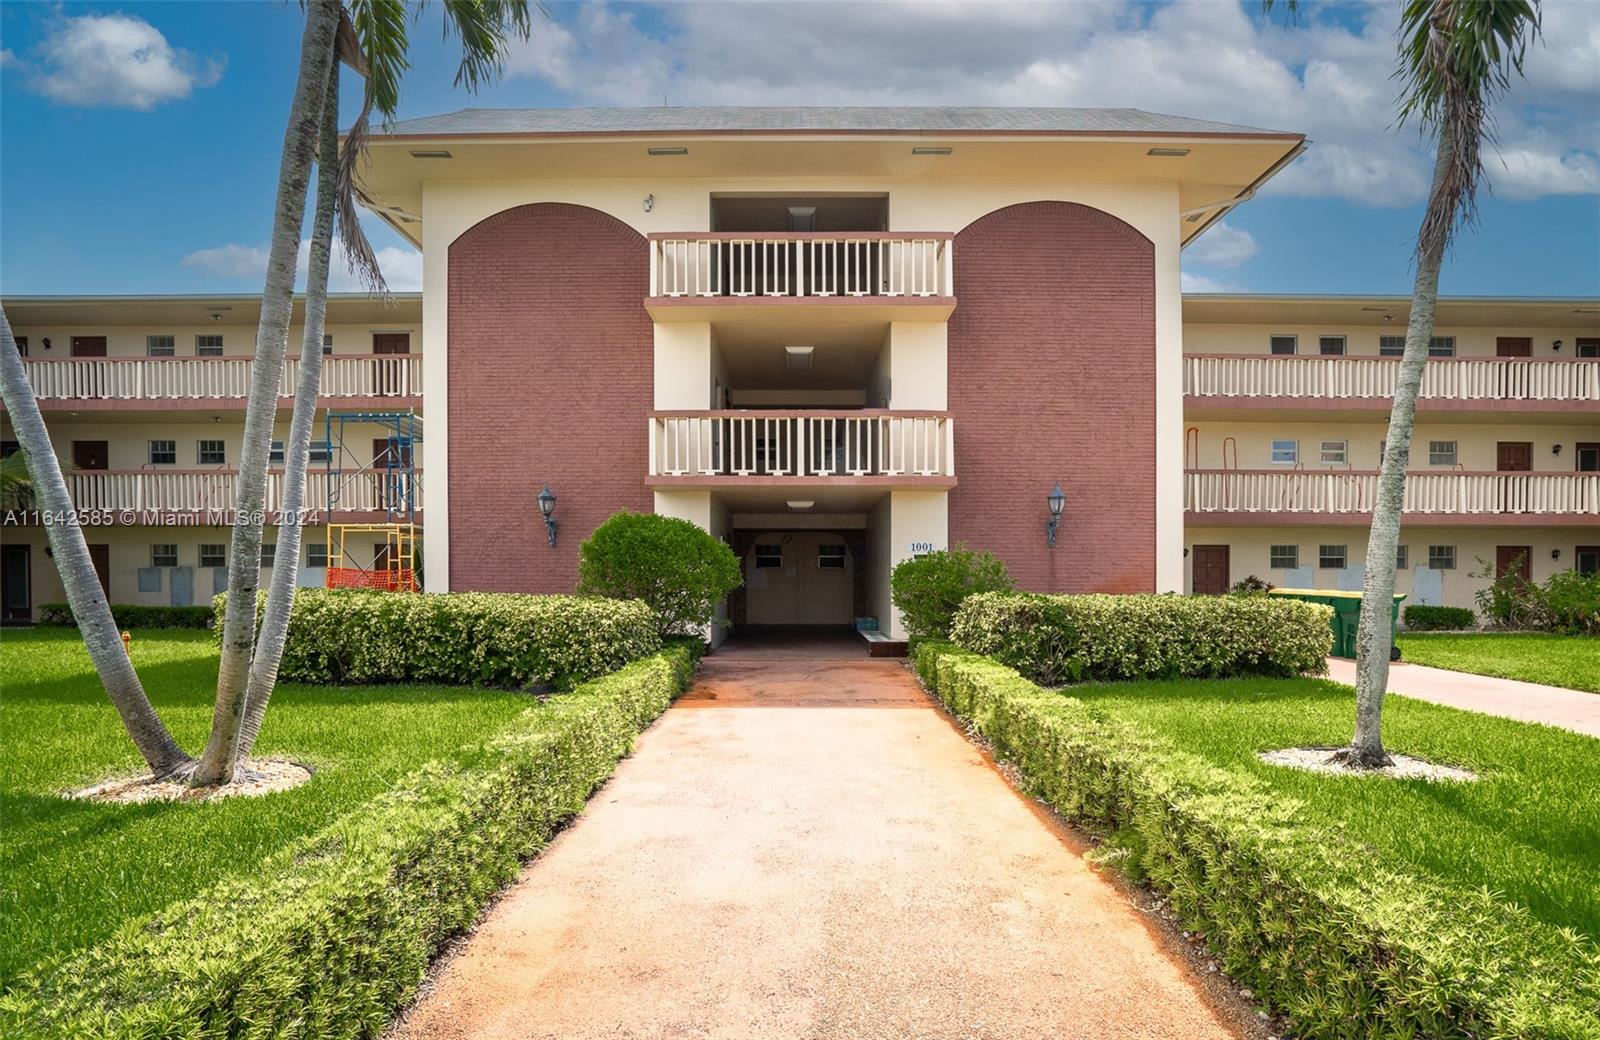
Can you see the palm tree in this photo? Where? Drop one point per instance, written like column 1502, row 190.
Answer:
column 1456, row 56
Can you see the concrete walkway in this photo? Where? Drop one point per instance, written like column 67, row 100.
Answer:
column 804, row 847
column 1509, row 698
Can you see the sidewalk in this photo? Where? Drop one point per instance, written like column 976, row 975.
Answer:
column 1509, row 698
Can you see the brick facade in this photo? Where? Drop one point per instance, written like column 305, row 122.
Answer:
column 1052, row 378
column 550, row 371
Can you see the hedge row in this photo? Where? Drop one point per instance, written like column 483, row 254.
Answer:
column 1056, row 639
column 335, row 932
column 133, row 615
column 499, row 640
column 1422, row 618
column 1304, row 916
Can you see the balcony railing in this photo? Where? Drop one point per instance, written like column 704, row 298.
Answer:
column 1464, row 379
column 811, row 265
column 1351, row 491
column 221, row 378
column 147, row 496
column 801, row 444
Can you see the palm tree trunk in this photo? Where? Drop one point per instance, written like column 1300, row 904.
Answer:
column 286, row 562
column 1374, row 633
column 78, row 577
column 277, row 302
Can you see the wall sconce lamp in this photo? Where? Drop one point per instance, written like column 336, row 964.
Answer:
column 1058, row 502
column 1555, row 554
column 1556, row 345
column 547, row 508
column 1555, row 449
column 649, row 203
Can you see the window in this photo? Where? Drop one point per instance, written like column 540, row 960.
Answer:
column 1285, row 453
column 1442, row 346
column 212, row 453
column 320, row 452
column 1334, row 453
column 769, row 556
column 1402, row 559
column 830, row 557
column 161, row 346
column 1283, row 344
column 208, row 345
column 1588, row 561
column 213, row 556
column 1588, row 457
column 1587, row 348
column 269, row 553
column 327, row 343
column 163, row 556
column 1330, row 345
column 1441, row 453
column 1285, row 556
column 275, row 453
column 1331, row 557
column 1391, row 346
column 163, row 453
column 316, row 554
column 1442, row 557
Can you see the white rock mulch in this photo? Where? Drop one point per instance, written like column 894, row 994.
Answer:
column 1320, row 760
column 258, row 776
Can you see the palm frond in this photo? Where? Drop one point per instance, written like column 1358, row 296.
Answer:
column 383, row 29
column 486, row 29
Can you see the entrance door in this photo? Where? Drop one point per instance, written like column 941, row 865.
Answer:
column 1210, row 569
column 88, row 346
column 16, row 583
column 101, row 557
column 799, row 578
column 1513, row 346
column 391, row 379
column 1508, row 556
column 91, row 454
column 1513, row 456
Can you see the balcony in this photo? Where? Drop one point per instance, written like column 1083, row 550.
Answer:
column 1366, row 384
column 778, row 448
column 165, row 497
column 903, row 276
column 1347, row 496
column 207, row 382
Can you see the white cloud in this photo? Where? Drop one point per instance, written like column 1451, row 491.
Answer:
column 1222, row 245
column 114, row 60
column 229, row 261
column 1191, row 282
column 8, row 60
column 402, row 268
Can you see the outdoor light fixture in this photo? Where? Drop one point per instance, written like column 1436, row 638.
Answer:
column 1556, row 345
column 430, row 154
column 547, row 508
column 929, row 150
column 1058, row 502
column 649, row 203
column 801, row 505
column 1555, row 449
column 1168, row 153
column 667, row 151
column 1555, row 554
column 798, row 357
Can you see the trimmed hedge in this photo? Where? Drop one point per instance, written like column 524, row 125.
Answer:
column 1346, row 947
column 501, row 640
column 336, row 931
column 1056, row 639
column 132, row 615
column 1422, row 618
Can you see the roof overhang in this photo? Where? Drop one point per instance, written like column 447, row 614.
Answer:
column 1392, row 311
column 183, row 309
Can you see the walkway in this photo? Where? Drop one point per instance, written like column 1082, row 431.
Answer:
column 803, row 847
column 1509, row 698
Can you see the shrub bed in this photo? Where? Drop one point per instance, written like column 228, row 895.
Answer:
column 930, row 588
column 460, row 638
column 133, row 615
column 1307, row 918
column 1421, row 618
column 1056, row 639
column 335, row 933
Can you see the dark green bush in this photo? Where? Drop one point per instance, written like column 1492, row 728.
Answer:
column 1056, row 639
column 1348, row 948
column 671, row 564
column 333, row 934
column 1423, row 618
column 503, row 640
column 927, row 589
column 1571, row 603
column 1251, row 586
column 1568, row 603
column 132, row 615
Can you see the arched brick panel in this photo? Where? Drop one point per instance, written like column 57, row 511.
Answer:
column 1052, row 377
column 551, row 357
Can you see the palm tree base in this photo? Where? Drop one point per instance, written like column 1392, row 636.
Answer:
column 1362, row 758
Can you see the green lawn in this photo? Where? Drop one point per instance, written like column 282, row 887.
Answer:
column 1570, row 661
column 71, row 871
column 1529, row 828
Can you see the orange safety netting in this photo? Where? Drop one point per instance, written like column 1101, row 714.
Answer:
column 403, row 580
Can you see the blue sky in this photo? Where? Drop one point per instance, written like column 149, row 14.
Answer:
column 139, row 142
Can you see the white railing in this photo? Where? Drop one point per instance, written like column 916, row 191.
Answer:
column 140, row 496
column 168, row 379
column 1467, row 379
column 820, row 265
column 1348, row 491
column 801, row 444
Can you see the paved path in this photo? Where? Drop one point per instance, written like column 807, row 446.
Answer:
column 803, row 847
column 1510, row 698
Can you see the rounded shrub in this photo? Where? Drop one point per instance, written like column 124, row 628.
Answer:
column 929, row 588
column 671, row 564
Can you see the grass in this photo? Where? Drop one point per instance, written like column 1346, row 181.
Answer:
column 1528, row 828
column 1570, row 661
column 70, row 872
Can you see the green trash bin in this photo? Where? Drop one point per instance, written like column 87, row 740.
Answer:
column 1346, row 616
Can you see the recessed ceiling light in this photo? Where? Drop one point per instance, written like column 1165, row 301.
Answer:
column 800, row 505
column 798, row 357
column 1586, row 310
column 667, row 151
column 437, row 153
column 930, row 150
column 1169, row 153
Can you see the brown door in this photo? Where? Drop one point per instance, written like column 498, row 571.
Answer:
column 1588, row 456
column 88, row 346
column 1210, row 569
column 1508, row 556
column 101, row 557
column 91, row 454
column 390, row 374
column 1513, row 456
column 16, row 583
column 1513, row 346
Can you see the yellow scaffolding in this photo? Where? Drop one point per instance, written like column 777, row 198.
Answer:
column 394, row 564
